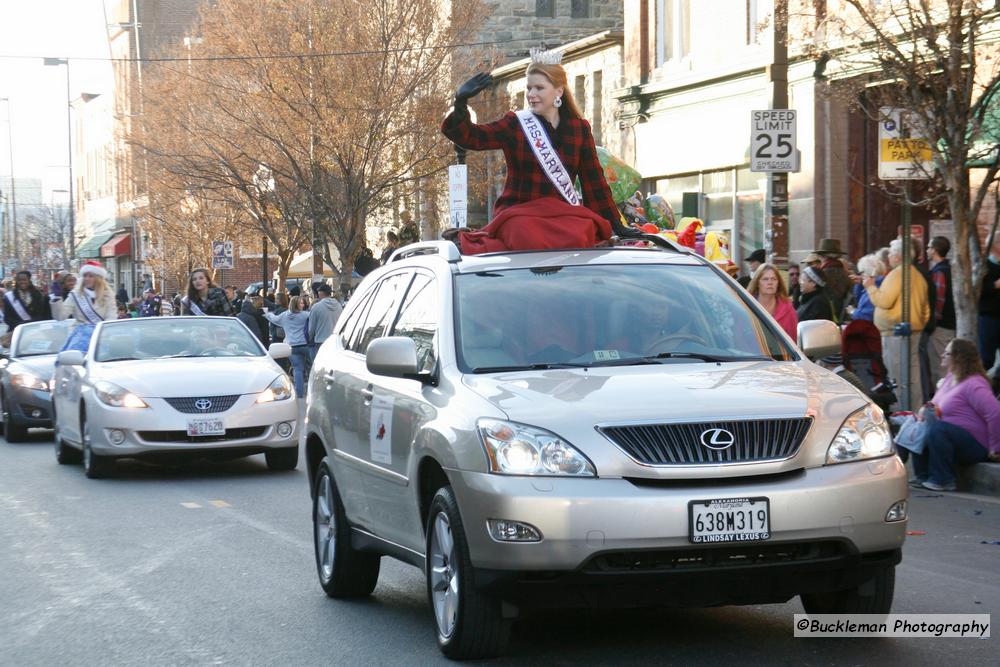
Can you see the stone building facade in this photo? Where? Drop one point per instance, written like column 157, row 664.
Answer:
column 517, row 25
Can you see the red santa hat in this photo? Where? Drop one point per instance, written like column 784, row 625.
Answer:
column 93, row 268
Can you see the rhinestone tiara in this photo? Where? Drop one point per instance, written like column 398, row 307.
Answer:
column 543, row 57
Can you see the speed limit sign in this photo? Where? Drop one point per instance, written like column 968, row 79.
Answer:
column 772, row 141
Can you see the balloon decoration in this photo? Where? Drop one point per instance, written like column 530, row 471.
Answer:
column 659, row 212
column 622, row 179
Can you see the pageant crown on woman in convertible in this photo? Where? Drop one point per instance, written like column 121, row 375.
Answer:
column 541, row 56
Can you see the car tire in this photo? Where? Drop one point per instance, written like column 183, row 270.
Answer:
column 872, row 597
column 344, row 572
column 65, row 455
column 855, row 381
column 95, row 466
column 282, row 459
column 469, row 623
column 11, row 429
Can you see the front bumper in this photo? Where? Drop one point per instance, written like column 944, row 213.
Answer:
column 32, row 408
column 580, row 519
column 161, row 430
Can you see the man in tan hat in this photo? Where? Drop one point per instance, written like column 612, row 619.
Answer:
column 838, row 281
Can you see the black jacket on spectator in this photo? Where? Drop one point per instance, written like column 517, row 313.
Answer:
column 947, row 320
column 216, row 303
column 38, row 309
column 815, row 305
column 989, row 298
column 248, row 316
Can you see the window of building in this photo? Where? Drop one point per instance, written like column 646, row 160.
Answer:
column 579, row 93
column 597, row 115
column 673, row 30
column 580, row 9
column 545, row 9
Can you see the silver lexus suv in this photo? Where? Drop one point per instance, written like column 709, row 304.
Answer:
column 614, row 426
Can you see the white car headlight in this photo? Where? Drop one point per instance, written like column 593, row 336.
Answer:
column 29, row 381
column 279, row 390
column 864, row 435
column 117, row 397
column 516, row 449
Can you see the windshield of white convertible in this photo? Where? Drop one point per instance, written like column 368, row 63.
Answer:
column 611, row 315
column 35, row 339
column 156, row 338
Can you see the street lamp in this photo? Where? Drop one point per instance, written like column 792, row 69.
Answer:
column 54, row 62
column 13, row 194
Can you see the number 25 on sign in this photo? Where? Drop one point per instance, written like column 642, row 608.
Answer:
column 772, row 140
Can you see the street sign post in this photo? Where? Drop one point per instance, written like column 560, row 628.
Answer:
column 458, row 194
column 222, row 254
column 773, row 141
column 901, row 155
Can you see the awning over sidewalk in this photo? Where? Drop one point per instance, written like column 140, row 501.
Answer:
column 119, row 244
column 91, row 248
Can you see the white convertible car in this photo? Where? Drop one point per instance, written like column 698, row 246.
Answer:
column 173, row 387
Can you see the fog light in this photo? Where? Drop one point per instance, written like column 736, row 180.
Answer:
column 503, row 530
column 285, row 429
column 897, row 512
column 116, row 436
column 36, row 413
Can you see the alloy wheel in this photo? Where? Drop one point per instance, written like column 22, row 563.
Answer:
column 444, row 575
column 325, row 521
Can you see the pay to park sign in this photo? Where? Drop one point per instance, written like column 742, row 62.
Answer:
column 901, row 155
column 772, row 141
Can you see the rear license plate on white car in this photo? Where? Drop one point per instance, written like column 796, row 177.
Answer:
column 729, row 520
column 198, row 427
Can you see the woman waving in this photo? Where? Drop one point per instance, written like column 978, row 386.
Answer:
column 92, row 300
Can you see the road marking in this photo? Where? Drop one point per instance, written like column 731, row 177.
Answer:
column 219, row 503
column 191, row 506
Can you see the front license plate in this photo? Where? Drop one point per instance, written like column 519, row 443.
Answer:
column 729, row 520
column 198, row 427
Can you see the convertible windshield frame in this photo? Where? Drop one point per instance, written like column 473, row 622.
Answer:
column 182, row 331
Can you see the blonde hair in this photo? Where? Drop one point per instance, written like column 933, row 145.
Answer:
column 754, row 286
column 103, row 295
column 557, row 77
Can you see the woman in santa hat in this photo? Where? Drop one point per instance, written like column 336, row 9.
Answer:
column 92, row 301
column 546, row 147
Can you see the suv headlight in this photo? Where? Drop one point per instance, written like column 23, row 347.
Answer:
column 516, row 449
column 864, row 435
column 117, row 397
column 279, row 390
column 29, row 381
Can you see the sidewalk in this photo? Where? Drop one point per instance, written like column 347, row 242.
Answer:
column 982, row 478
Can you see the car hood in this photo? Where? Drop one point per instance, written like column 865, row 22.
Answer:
column 42, row 366
column 571, row 402
column 669, row 392
column 211, row 376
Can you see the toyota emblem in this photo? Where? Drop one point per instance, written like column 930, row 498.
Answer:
column 204, row 404
column 717, row 439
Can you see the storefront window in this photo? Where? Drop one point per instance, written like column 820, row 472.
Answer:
column 750, row 225
column 673, row 190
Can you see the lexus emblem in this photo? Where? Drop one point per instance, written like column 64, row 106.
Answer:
column 717, row 439
column 204, row 404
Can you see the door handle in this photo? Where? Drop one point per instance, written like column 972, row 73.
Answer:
column 368, row 394
column 328, row 376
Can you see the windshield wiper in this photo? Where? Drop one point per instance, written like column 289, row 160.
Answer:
column 526, row 367
column 704, row 357
column 104, row 361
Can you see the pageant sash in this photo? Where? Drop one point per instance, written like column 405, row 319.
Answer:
column 86, row 307
column 193, row 307
column 18, row 307
column 548, row 158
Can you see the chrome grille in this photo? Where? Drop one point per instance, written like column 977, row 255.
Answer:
column 190, row 405
column 681, row 444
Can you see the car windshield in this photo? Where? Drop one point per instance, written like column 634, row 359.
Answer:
column 606, row 315
column 171, row 337
column 42, row 338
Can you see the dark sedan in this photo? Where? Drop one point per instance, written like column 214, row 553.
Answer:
column 25, row 374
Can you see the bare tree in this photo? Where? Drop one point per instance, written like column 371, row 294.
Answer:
column 933, row 59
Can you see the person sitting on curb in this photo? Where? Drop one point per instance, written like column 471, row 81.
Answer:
column 967, row 428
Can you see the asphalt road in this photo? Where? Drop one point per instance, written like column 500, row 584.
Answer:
column 213, row 564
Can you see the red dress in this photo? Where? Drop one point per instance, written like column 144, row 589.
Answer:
column 536, row 214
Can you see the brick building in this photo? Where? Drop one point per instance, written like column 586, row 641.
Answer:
column 517, row 25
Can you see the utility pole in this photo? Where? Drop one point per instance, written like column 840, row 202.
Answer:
column 776, row 205
column 12, row 221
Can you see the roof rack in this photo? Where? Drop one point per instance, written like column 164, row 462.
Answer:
column 444, row 249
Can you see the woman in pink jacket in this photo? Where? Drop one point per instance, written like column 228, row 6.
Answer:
column 769, row 289
column 967, row 429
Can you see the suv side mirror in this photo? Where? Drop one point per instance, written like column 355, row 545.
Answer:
column 70, row 358
column 819, row 338
column 395, row 356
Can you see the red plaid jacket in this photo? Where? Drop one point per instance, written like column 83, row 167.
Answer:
column 526, row 181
